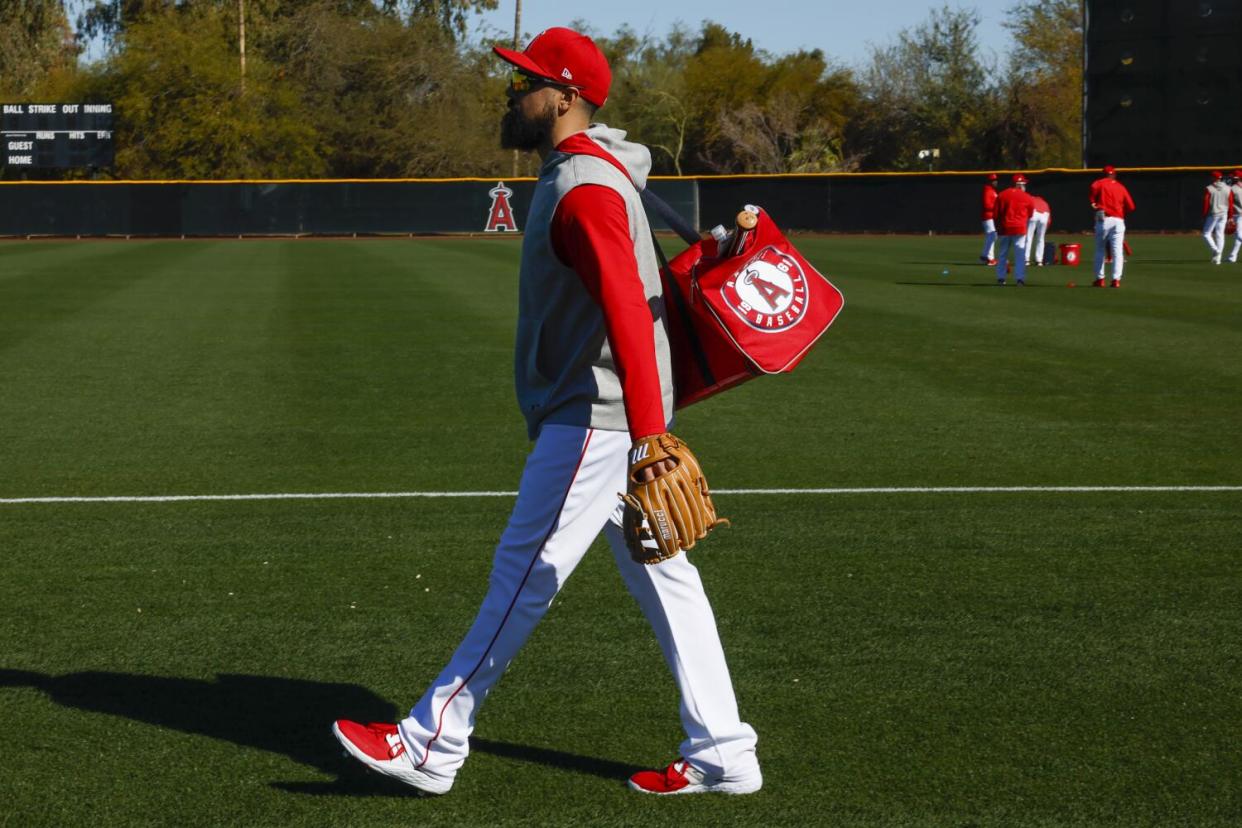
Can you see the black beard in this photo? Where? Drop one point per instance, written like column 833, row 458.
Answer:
column 526, row 134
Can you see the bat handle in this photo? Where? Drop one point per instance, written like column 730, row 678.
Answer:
column 744, row 225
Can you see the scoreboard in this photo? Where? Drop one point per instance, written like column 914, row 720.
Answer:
column 56, row 135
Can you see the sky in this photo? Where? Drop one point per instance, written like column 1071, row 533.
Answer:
column 843, row 29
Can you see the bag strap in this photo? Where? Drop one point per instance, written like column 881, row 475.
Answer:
column 671, row 288
column 671, row 217
column 652, row 202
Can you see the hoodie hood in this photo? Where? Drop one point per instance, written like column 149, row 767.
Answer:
column 604, row 142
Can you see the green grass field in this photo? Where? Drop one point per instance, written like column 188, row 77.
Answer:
column 909, row 659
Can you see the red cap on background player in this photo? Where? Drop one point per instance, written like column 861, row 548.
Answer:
column 1019, row 179
column 1109, row 169
column 991, row 176
column 1217, row 175
column 563, row 56
column 1237, row 173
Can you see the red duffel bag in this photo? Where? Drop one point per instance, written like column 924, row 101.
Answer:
column 734, row 317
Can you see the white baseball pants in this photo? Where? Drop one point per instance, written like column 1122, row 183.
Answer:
column 567, row 495
column 1016, row 244
column 989, row 240
column 1110, row 234
column 1214, row 235
column 1036, row 229
column 1237, row 239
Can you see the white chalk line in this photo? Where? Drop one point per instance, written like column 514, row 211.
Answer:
column 825, row 491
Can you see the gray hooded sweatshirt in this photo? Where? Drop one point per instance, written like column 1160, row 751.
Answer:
column 1218, row 199
column 563, row 366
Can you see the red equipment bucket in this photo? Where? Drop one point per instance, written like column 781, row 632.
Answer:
column 1071, row 254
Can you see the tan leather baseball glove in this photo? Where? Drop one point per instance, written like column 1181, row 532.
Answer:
column 670, row 512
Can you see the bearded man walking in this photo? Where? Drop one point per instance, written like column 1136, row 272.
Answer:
column 594, row 380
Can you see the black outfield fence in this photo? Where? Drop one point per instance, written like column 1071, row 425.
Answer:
column 1167, row 199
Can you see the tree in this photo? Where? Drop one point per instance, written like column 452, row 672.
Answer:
column 930, row 88
column 392, row 98
column 649, row 95
column 35, row 40
column 711, row 102
column 175, row 83
column 796, row 123
column 1044, row 123
column 108, row 18
column 449, row 14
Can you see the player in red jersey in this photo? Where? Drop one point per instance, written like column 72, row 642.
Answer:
column 1013, row 212
column 1112, row 203
column 988, row 256
column 1036, row 229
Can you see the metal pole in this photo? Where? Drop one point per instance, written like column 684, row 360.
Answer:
column 517, row 37
column 241, row 38
column 1085, row 131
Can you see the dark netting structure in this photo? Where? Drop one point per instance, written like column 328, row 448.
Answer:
column 1169, row 200
column 1163, row 82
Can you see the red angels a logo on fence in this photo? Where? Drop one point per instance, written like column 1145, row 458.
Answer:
column 768, row 294
column 500, row 218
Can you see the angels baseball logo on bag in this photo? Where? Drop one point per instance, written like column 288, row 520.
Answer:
column 769, row 293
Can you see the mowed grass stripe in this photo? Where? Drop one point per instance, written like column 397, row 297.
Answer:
column 369, row 359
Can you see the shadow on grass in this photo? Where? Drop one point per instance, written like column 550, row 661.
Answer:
column 942, row 263
column 991, row 284
column 286, row 716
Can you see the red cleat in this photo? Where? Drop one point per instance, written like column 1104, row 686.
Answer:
column 683, row 778
column 1116, row 283
column 992, row 262
column 379, row 747
column 1098, row 282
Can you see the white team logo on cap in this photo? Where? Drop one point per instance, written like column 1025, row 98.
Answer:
column 769, row 293
column 566, row 74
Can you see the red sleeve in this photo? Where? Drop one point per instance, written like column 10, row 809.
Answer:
column 989, row 203
column 591, row 234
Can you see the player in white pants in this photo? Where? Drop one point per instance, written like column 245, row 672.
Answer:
column 593, row 378
column 1112, row 203
column 1216, row 198
column 545, row 540
column 1235, row 193
column 1013, row 214
column 1110, row 239
column 1036, row 229
column 988, row 256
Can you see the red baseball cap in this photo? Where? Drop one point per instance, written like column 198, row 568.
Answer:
column 1217, row 174
column 1019, row 179
column 991, row 176
column 1237, row 173
column 563, row 56
column 1109, row 169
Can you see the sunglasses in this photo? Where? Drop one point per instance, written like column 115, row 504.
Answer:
column 520, row 83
